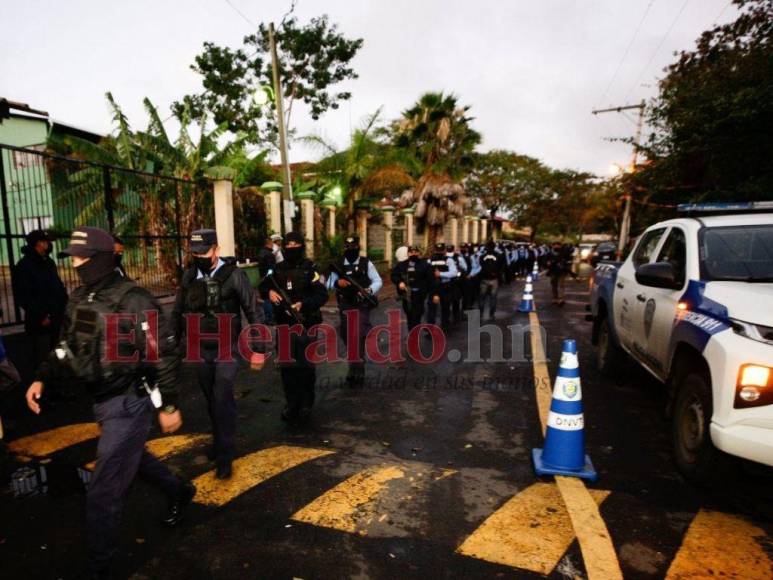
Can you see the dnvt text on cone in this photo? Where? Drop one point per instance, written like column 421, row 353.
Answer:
column 564, row 451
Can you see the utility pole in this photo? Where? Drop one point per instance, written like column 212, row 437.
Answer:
column 287, row 189
column 625, row 225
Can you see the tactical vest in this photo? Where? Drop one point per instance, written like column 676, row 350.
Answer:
column 296, row 282
column 357, row 272
column 468, row 261
column 205, row 296
column 489, row 265
column 411, row 275
column 83, row 346
column 439, row 262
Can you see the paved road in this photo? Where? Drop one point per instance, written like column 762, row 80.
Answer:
column 425, row 473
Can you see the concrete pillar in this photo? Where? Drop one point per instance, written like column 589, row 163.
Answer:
column 474, row 225
column 484, row 230
column 389, row 222
column 455, row 233
column 494, row 231
column 306, row 200
column 362, row 230
column 331, row 221
column 275, row 211
column 466, row 229
column 408, row 213
column 224, row 216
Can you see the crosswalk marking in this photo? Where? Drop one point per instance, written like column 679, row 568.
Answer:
column 531, row 531
column 164, row 447
column 251, row 470
column 721, row 545
column 53, row 440
column 368, row 502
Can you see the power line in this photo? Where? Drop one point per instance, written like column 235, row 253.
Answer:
column 246, row 18
column 721, row 12
column 627, row 51
column 657, row 50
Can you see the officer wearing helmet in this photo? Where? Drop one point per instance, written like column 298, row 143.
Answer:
column 444, row 273
column 131, row 377
column 296, row 290
column 352, row 304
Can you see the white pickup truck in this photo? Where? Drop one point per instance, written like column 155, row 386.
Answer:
column 693, row 305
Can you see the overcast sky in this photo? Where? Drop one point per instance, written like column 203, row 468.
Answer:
column 531, row 70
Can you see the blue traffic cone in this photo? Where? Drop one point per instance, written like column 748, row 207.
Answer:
column 527, row 302
column 535, row 271
column 564, row 451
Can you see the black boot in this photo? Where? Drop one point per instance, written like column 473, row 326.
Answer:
column 224, row 470
column 177, row 505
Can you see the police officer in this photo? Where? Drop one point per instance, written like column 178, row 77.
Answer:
column 216, row 291
column 118, row 374
column 298, row 280
column 444, row 271
column 471, row 278
column 492, row 265
column 351, row 302
column 413, row 279
column 457, row 283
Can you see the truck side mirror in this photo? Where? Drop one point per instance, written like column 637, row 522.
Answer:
column 658, row 275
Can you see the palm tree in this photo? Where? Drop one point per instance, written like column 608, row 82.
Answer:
column 436, row 132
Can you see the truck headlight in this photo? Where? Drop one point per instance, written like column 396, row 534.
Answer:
column 754, row 387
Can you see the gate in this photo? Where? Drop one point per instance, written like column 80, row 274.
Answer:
column 152, row 214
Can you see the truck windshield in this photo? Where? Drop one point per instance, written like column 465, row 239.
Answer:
column 743, row 253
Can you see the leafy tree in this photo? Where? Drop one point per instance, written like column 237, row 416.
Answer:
column 712, row 118
column 312, row 60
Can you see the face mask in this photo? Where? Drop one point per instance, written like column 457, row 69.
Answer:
column 204, row 265
column 293, row 255
column 412, row 258
column 274, row 248
column 351, row 254
column 97, row 268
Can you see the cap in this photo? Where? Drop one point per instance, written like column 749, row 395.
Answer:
column 35, row 236
column 401, row 255
column 294, row 237
column 276, row 238
column 440, row 246
column 86, row 241
column 202, row 241
column 352, row 241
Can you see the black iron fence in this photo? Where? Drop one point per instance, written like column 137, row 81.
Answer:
column 151, row 214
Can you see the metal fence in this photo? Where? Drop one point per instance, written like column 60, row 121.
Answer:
column 152, row 215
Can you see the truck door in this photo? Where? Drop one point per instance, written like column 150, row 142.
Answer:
column 628, row 309
column 660, row 306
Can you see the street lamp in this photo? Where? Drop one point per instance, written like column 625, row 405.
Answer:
column 263, row 95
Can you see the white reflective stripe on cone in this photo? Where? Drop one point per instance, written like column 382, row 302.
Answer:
column 565, row 422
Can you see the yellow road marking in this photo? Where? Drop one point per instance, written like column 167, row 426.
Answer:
column 164, row 447
column 721, row 545
column 48, row 442
column 531, row 531
column 347, row 505
column 251, row 470
column 596, row 546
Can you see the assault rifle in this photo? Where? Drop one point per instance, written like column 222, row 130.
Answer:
column 286, row 304
column 366, row 296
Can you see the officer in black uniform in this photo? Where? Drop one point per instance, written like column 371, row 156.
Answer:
column 413, row 277
column 301, row 284
column 444, row 272
column 214, row 291
column 131, row 379
column 350, row 300
column 492, row 266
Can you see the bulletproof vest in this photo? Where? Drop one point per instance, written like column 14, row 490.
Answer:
column 205, row 296
column 296, row 282
column 439, row 262
column 489, row 265
column 411, row 274
column 357, row 272
column 456, row 258
column 83, row 346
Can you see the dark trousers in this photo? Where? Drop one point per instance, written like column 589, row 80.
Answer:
column 356, row 369
column 445, row 306
column 124, row 422
column 298, row 382
column 414, row 309
column 216, row 380
column 456, row 299
column 489, row 289
column 509, row 273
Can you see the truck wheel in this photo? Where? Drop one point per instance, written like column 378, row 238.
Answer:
column 696, row 457
column 608, row 354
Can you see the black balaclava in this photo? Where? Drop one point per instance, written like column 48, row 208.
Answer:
column 101, row 265
column 293, row 255
column 204, row 264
